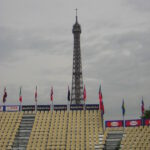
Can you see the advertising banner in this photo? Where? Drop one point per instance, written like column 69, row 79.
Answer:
column 147, row 122
column 60, row 107
column 76, row 107
column 114, row 123
column 92, row 106
column 43, row 107
column 12, row 108
column 132, row 123
column 1, row 108
column 28, row 107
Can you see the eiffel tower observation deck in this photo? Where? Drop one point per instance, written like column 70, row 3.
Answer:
column 77, row 79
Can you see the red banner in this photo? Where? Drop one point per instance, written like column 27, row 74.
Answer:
column 147, row 122
column 132, row 123
column 115, row 123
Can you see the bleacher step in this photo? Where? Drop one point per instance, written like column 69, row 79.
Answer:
column 113, row 140
column 19, row 148
column 23, row 133
column 21, row 138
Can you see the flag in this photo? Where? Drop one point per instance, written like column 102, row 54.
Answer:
column 101, row 100
column 52, row 94
column 20, row 96
column 142, row 107
column 36, row 94
column 123, row 108
column 5, row 95
column 84, row 94
column 68, row 94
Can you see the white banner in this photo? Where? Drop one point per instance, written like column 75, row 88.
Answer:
column 12, row 108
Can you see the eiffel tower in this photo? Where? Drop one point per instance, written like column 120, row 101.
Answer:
column 77, row 80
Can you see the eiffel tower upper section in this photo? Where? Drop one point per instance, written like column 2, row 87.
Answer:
column 77, row 79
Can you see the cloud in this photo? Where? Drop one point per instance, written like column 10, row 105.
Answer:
column 139, row 5
column 36, row 48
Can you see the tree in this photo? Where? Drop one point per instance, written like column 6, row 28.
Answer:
column 146, row 114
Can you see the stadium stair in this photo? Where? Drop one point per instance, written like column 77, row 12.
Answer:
column 23, row 134
column 100, row 146
column 113, row 140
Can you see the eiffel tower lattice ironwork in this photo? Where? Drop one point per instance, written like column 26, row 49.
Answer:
column 77, row 79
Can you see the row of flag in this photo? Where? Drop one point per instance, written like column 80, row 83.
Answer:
column 123, row 107
column 84, row 94
column 101, row 105
column 51, row 95
column 20, row 95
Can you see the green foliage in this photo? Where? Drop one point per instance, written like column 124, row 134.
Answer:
column 146, row 114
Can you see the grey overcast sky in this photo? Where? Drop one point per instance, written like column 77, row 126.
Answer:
column 36, row 48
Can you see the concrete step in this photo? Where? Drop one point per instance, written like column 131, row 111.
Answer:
column 111, row 148
column 20, row 145
column 22, row 138
column 27, row 120
column 23, row 133
column 26, row 125
column 25, row 128
column 113, row 140
column 28, row 115
column 19, row 148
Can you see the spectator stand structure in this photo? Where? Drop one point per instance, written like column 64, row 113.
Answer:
column 57, row 129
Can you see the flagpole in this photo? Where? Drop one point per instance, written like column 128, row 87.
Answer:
column 20, row 107
column 36, row 107
column 52, row 106
column 68, row 99
column 3, row 105
column 4, row 98
column 102, row 121
column 123, row 122
column 142, row 110
column 20, row 99
column 36, row 100
column 67, row 105
column 84, row 96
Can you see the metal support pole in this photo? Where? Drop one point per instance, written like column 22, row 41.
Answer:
column 36, row 107
column 20, row 107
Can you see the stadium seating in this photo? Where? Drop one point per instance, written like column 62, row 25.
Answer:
column 66, row 130
column 69, row 130
column 9, row 124
column 136, row 138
